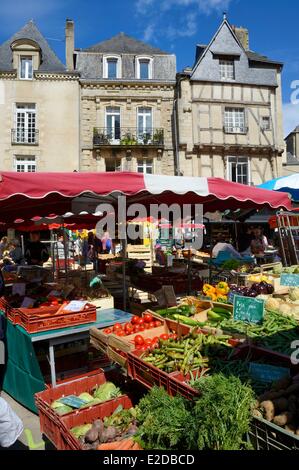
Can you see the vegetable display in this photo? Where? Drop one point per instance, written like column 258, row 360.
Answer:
column 216, row 293
column 136, row 325
column 188, row 353
column 104, row 392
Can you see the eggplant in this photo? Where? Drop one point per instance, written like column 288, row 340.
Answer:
column 270, row 289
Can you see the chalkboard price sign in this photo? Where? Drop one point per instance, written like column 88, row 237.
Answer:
column 289, row 280
column 248, row 309
column 266, row 373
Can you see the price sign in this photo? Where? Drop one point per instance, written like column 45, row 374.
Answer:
column 266, row 373
column 248, row 310
column 75, row 306
column 289, row 280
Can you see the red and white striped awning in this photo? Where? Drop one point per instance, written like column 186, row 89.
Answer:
column 25, row 195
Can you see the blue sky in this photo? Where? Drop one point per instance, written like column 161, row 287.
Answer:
column 173, row 25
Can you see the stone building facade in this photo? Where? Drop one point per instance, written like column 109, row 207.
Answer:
column 39, row 106
column 230, row 111
column 127, row 102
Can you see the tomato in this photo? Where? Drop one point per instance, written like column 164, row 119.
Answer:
column 155, row 340
column 158, row 323
column 138, row 347
column 54, row 302
column 139, row 340
column 146, row 326
column 134, row 320
column 164, row 336
column 129, row 328
column 174, row 336
column 152, row 324
column 117, row 326
column 136, row 329
column 148, row 342
column 141, row 327
column 140, row 321
column 108, row 331
column 148, row 318
column 120, row 333
column 143, row 348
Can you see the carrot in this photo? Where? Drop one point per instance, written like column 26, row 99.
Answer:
column 136, row 446
column 126, row 444
column 109, row 446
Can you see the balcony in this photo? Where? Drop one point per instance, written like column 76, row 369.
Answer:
column 235, row 130
column 24, row 136
column 128, row 137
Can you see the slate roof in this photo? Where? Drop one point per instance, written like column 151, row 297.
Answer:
column 253, row 56
column 49, row 60
column 123, row 44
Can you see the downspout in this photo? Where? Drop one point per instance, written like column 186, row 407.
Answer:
column 176, row 127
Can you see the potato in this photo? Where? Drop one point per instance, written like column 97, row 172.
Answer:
column 268, row 409
column 283, row 419
column 257, row 414
column 92, row 435
column 281, row 384
column 281, row 404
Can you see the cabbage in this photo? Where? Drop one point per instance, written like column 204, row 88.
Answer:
column 86, row 397
column 56, row 404
column 273, row 305
column 62, row 410
column 294, row 293
column 107, row 391
column 80, row 431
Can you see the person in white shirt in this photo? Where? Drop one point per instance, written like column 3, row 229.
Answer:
column 227, row 247
column 11, row 427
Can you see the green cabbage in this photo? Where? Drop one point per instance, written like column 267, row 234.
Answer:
column 80, row 431
column 107, row 391
column 62, row 410
column 86, row 397
column 56, row 404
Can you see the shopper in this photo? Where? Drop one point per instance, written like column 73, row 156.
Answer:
column 259, row 243
column 36, row 252
column 106, row 243
column 15, row 253
column 228, row 248
column 11, row 427
column 3, row 245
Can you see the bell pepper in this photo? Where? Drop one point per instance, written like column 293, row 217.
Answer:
column 222, row 288
column 208, row 290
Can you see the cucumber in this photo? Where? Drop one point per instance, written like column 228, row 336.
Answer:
column 221, row 311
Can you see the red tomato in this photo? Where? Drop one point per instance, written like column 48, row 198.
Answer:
column 141, row 327
column 54, row 302
column 143, row 348
column 129, row 328
column 138, row 347
column 108, row 331
column 134, row 320
column 152, row 324
column 164, row 336
column 148, row 318
column 174, row 336
column 148, row 342
column 140, row 321
column 158, row 323
column 146, row 326
column 117, row 326
column 136, row 328
column 120, row 333
column 155, row 340
column 139, row 340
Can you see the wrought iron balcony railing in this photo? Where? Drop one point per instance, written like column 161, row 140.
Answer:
column 128, row 136
column 25, row 136
column 235, row 129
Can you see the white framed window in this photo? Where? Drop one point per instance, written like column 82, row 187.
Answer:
column 113, row 129
column 145, row 165
column 266, row 123
column 144, row 124
column 227, row 69
column 26, row 68
column 113, row 164
column 25, row 124
column 112, row 67
column 234, row 120
column 25, row 164
column 238, row 170
column 144, row 68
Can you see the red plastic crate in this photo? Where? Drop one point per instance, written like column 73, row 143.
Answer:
column 49, row 420
column 67, row 441
column 47, row 318
column 178, row 385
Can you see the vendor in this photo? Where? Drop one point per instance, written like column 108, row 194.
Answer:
column 259, row 243
column 36, row 252
column 11, row 427
column 222, row 245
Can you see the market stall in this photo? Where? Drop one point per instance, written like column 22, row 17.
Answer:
column 175, row 349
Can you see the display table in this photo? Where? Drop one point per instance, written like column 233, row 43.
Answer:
column 22, row 374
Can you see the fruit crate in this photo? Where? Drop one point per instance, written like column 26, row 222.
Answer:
column 86, row 416
column 264, row 435
column 51, row 318
column 49, row 420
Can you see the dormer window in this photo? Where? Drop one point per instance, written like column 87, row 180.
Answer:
column 112, row 67
column 26, row 68
column 144, row 68
column 227, row 69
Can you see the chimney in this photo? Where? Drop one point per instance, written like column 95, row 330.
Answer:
column 69, row 44
column 243, row 36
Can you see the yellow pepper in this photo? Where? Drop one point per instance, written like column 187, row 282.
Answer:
column 222, row 288
column 222, row 299
column 208, row 290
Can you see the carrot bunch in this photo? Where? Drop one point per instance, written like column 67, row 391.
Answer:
column 125, row 444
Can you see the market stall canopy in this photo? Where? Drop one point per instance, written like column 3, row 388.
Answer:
column 25, row 195
column 286, row 184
